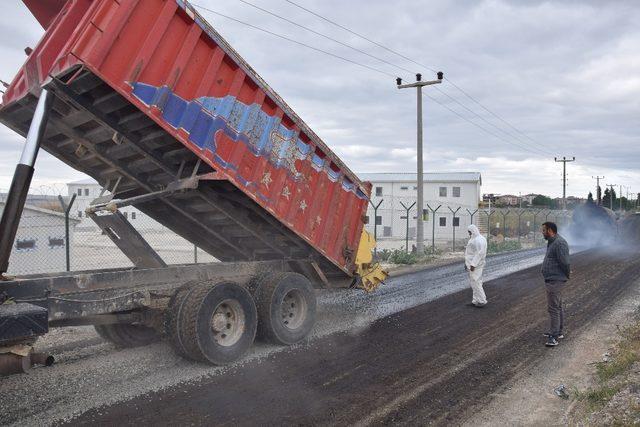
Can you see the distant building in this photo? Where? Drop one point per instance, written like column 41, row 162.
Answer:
column 508, row 200
column 40, row 241
column 86, row 190
column 447, row 190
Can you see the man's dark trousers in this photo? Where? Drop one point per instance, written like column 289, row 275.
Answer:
column 554, row 306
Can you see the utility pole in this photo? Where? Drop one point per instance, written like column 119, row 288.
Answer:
column 611, row 195
column 564, row 162
column 420, row 180
column 598, row 190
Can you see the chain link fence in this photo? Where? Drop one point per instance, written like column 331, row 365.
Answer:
column 49, row 221
column 41, row 240
column 393, row 223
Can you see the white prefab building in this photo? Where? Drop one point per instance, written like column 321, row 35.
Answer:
column 40, row 242
column 86, row 190
column 442, row 191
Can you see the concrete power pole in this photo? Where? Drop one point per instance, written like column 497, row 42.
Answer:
column 564, row 162
column 420, row 176
column 598, row 190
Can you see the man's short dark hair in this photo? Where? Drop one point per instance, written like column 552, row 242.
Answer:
column 551, row 226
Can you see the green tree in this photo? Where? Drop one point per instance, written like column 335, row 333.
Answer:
column 590, row 197
column 541, row 200
column 609, row 199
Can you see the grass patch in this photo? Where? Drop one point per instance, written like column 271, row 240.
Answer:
column 598, row 397
column 622, row 362
column 613, row 376
column 398, row 256
column 505, row 246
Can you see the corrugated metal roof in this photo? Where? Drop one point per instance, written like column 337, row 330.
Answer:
column 428, row 177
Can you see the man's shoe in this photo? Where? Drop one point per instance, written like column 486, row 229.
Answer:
column 551, row 342
column 547, row 335
column 480, row 305
column 470, row 304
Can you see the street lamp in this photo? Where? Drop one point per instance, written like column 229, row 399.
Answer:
column 419, row 84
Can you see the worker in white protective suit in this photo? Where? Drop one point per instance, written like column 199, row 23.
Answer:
column 474, row 260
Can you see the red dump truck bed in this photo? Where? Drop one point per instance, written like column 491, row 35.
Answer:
column 147, row 92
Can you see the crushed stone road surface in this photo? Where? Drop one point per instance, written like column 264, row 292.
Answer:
column 360, row 353
column 433, row 363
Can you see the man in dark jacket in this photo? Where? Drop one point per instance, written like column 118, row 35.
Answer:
column 556, row 271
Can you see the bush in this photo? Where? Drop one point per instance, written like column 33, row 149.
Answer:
column 398, row 256
column 383, row 255
column 506, row 246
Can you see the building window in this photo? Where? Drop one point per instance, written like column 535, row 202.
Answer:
column 366, row 219
column 443, row 221
column 126, row 215
column 456, row 222
column 86, row 191
column 79, row 191
column 133, row 215
column 443, row 191
column 415, row 188
column 56, row 242
column 79, row 214
column 25, row 245
column 378, row 220
column 404, row 188
column 378, row 191
column 456, row 192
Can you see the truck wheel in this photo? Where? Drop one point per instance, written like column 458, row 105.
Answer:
column 215, row 323
column 286, row 304
column 125, row 335
column 172, row 316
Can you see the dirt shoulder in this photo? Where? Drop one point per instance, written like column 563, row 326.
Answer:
column 529, row 399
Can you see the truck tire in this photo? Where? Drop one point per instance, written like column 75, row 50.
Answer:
column 286, row 304
column 214, row 323
column 172, row 316
column 126, row 335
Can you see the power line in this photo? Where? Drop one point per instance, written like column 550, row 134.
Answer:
column 388, row 63
column 478, row 126
column 325, row 36
column 370, row 68
column 294, row 41
column 380, row 45
column 489, row 123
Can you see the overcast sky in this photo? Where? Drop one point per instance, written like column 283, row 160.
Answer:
column 564, row 73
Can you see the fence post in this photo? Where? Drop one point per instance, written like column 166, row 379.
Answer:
column 407, row 209
column 472, row 214
column 535, row 229
column 433, row 227
column 453, row 225
column 195, row 254
column 375, row 224
column 504, row 223
column 520, row 213
column 489, row 214
column 67, row 243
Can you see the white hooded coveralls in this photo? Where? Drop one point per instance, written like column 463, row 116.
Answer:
column 474, row 256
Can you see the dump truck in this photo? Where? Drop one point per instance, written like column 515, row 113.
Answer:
column 148, row 99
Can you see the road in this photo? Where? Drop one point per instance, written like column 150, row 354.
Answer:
column 407, row 353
